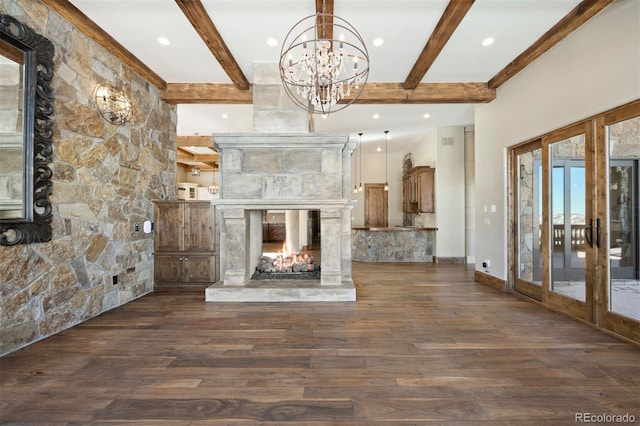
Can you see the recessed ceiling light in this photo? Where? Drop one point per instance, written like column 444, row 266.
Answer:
column 272, row 42
column 164, row 41
column 376, row 116
column 224, row 116
column 488, row 41
column 379, row 149
column 427, row 115
column 378, row 41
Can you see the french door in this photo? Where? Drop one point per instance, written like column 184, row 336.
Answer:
column 575, row 204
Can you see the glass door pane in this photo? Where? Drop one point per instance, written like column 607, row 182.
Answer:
column 624, row 275
column 530, row 216
column 568, row 200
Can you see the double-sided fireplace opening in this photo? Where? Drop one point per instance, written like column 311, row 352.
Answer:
column 290, row 246
column 306, row 176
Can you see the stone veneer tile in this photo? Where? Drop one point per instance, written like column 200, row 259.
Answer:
column 283, row 187
column 331, row 161
column 262, row 161
column 301, row 160
column 289, row 121
column 267, row 96
column 242, row 186
column 95, row 201
column 233, row 160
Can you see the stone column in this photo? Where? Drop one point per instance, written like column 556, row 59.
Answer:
column 273, row 111
column 234, row 246
column 331, row 246
column 346, row 244
column 292, row 235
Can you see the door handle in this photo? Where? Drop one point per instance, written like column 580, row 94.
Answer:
column 588, row 233
column 598, row 233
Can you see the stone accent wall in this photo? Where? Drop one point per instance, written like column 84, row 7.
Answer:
column 104, row 180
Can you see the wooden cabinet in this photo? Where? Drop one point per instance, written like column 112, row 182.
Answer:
column 418, row 193
column 185, row 243
column 273, row 232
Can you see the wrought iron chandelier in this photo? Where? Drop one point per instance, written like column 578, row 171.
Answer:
column 319, row 71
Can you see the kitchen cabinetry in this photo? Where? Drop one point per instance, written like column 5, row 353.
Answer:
column 418, row 194
column 185, row 244
column 273, row 232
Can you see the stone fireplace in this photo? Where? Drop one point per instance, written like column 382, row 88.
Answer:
column 283, row 171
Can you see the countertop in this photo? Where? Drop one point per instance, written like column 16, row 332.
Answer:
column 393, row 228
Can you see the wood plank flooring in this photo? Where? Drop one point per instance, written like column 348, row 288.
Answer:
column 424, row 344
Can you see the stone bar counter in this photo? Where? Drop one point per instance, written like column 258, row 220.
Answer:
column 394, row 244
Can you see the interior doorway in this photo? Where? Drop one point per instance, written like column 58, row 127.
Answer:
column 376, row 205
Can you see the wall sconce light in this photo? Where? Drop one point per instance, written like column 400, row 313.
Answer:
column 113, row 105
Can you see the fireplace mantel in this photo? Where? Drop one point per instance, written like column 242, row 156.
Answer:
column 283, row 171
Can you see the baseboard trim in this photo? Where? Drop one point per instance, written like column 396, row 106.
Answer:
column 442, row 259
column 491, row 281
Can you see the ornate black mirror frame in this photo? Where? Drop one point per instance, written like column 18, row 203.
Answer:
column 35, row 225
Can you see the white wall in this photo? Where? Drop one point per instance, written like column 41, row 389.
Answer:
column 373, row 171
column 450, row 182
column 424, row 153
column 470, row 194
column 594, row 69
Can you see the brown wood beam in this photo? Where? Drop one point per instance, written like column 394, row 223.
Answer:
column 75, row 17
column 195, row 141
column 449, row 21
column 206, row 93
column 426, row 93
column 326, row 30
column 373, row 93
column 574, row 19
column 196, row 13
column 185, row 156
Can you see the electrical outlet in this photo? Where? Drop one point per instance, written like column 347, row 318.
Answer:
column 114, row 279
column 136, row 227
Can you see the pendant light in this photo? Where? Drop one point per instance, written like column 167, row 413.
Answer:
column 360, row 189
column 355, row 173
column 386, row 162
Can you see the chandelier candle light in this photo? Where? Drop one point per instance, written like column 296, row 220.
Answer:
column 318, row 71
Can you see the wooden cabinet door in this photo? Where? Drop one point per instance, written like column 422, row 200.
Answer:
column 169, row 222
column 425, row 181
column 167, row 268
column 199, row 268
column 199, row 230
column 376, row 205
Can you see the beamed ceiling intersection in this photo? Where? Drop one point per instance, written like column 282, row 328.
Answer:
column 411, row 91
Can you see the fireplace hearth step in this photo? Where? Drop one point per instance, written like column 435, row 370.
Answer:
column 305, row 275
column 281, row 291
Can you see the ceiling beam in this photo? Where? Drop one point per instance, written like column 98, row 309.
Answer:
column 574, row 19
column 449, row 21
column 373, row 93
column 196, row 141
column 196, row 13
column 206, row 93
column 75, row 17
column 426, row 93
column 325, row 31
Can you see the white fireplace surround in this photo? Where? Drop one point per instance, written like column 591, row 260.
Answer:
column 283, row 171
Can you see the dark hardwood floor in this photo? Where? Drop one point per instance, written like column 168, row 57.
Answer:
column 424, row 344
